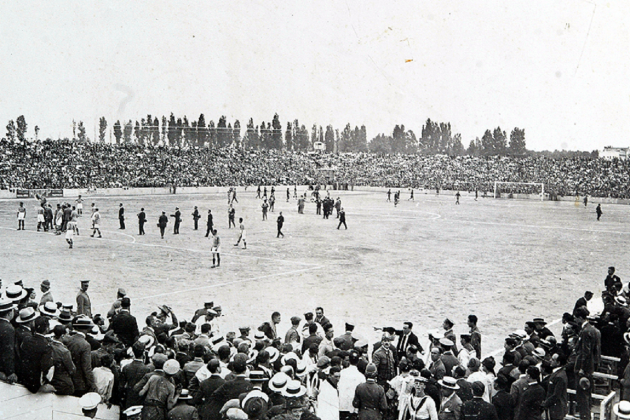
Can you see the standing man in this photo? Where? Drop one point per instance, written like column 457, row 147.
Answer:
column 7, row 342
column 178, row 219
column 162, row 222
column 385, row 362
column 264, row 206
column 475, row 335
column 21, row 215
column 84, row 307
column 588, row 350
column 124, row 325
column 389, row 195
column 406, row 338
column 121, row 216
column 280, row 223
column 612, row 281
column 79, row 202
column 46, row 295
column 369, row 397
column 231, row 215
column 242, row 235
column 556, row 401
column 96, row 223
column 342, row 219
column 196, row 217
column 599, row 211
column 142, row 218
column 216, row 249
column 209, row 223
column 83, row 378
column 288, row 194
column 457, row 197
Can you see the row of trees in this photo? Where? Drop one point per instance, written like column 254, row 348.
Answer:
column 435, row 138
column 438, row 138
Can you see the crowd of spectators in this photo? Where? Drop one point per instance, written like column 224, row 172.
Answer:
column 160, row 363
column 71, row 164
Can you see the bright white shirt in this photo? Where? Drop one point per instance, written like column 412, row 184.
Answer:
column 104, row 381
column 349, row 379
column 327, row 402
column 483, row 378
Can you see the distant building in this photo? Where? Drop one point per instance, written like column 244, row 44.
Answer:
column 610, row 152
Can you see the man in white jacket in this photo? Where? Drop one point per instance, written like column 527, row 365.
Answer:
column 349, row 378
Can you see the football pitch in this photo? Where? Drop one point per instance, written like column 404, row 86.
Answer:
column 506, row 261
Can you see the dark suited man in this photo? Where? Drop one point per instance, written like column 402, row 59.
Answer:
column 37, row 356
column 203, row 398
column 131, row 374
column 209, row 223
column 406, row 338
column 231, row 389
column 142, row 218
column 124, row 324
column 7, row 342
column 556, row 399
column 162, row 222
column 178, row 219
column 588, row 351
column 121, row 216
column 477, row 408
column 530, row 406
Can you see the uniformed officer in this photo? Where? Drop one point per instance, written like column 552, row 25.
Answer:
column 178, row 220
column 84, row 307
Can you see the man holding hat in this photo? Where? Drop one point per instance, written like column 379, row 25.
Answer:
column 84, row 307
column 183, row 410
column 369, row 397
column 80, row 351
column 7, row 343
column 46, row 295
column 116, row 305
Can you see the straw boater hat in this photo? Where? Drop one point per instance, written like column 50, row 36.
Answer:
column 278, row 382
column 290, row 356
column 15, row 293
column 6, row 305
column 622, row 409
column 83, row 322
column 185, row 395
column 449, row 382
column 293, row 389
column 274, row 353
column 27, row 315
column 147, row 340
column 65, row 317
column 49, row 309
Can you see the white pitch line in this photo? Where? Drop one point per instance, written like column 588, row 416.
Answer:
column 120, row 233
column 535, row 226
column 225, row 283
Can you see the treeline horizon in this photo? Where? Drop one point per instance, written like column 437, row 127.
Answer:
column 435, row 137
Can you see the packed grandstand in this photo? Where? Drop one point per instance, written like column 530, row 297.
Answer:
column 71, row 164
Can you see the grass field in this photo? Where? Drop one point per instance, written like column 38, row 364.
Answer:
column 504, row 260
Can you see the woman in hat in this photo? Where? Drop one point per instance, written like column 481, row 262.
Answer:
column 420, row 407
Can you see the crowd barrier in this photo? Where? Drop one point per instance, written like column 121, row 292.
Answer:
column 18, row 403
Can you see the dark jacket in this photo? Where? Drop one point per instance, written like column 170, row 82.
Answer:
column 478, row 409
column 369, row 399
column 203, row 397
column 64, row 369
column 7, row 347
column 125, row 327
column 530, row 407
column 80, row 350
column 226, row 392
column 37, row 359
column 556, row 398
column 588, row 349
column 504, row 405
column 130, row 375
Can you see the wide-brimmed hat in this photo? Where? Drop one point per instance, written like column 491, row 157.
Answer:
column 147, row 340
column 65, row 317
column 82, row 322
column 293, row 389
column 15, row 293
column 49, row 309
column 539, row 321
column 27, row 314
column 6, row 305
column 171, row 366
column 45, row 284
column 255, row 403
column 449, row 382
column 257, row 376
column 274, row 353
column 97, row 333
column 278, row 381
column 621, row 300
column 622, row 409
column 251, row 357
column 301, row 369
column 290, row 355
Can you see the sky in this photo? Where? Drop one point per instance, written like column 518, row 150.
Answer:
column 557, row 68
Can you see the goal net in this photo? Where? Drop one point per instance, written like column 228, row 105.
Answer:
column 513, row 189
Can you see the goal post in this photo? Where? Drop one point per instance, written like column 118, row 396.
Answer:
column 501, row 188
